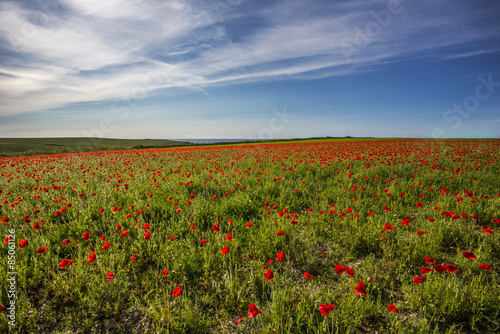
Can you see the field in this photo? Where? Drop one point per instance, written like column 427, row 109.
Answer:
column 392, row 236
column 37, row 146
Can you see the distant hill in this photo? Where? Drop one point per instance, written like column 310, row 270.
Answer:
column 41, row 146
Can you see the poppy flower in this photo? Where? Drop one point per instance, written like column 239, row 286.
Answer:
column 23, row 243
column 172, row 238
column 203, row 241
column 118, row 227
column 280, row 256
column 145, row 227
column 193, row 227
column 253, row 311
column 229, row 222
column 106, row 245
column 280, row 233
column 420, row 232
column 326, row 308
column 65, row 242
column 91, row 258
column 418, row 279
column 388, row 227
column 215, row 227
column 41, row 250
column 86, row 236
column 392, row 308
column 406, row 221
column 165, row 272
column 308, row 276
column 103, row 237
column 224, row 250
column 340, row 269
column 350, row 272
column 124, row 233
column 439, row 268
column 360, row 289
column 64, row 263
column 429, row 260
column 228, row 237
column 269, row 275
column 2, row 308
column 485, row 267
column 110, row 276
column 177, row 292
column 239, row 319
column 469, row 255
column 133, row 257
column 249, row 224
column 36, row 226
column 450, row 268
column 425, row 270
column 147, row 235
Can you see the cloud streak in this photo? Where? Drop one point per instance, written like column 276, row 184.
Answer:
column 85, row 51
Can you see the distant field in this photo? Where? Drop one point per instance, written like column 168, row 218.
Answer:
column 43, row 146
column 12, row 147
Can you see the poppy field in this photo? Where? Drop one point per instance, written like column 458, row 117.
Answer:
column 382, row 236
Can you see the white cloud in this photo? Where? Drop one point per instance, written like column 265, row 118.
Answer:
column 103, row 50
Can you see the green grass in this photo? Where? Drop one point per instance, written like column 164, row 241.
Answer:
column 43, row 146
column 217, row 288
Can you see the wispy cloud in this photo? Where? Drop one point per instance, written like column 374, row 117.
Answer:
column 83, row 51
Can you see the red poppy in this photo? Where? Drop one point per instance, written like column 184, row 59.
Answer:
column 124, row 233
column 23, row 243
column 64, row 263
column 36, row 226
column 147, row 235
column 418, row 279
column 65, row 242
column 193, row 227
column 420, row 232
column 388, row 227
column 360, row 289
column 439, row 268
column 280, row 233
column 224, row 250
column 230, row 222
column 249, row 224
column 91, row 258
column 215, row 227
column 308, row 276
column 103, row 237
column 419, row 205
column 110, row 276
column 340, row 269
column 172, row 238
column 118, row 227
column 41, row 250
column 86, row 236
column 426, row 270
column 280, row 256
column 429, row 260
column 165, row 272
column 406, row 221
column 239, row 319
column 450, row 268
column 203, row 241
column 106, row 245
column 177, row 292
column 392, row 308
column 253, row 311
column 350, row 272
column 269, row 275
column 326, row 308
column 469, row 255
column 228, row 237
column 2, row 308
column 145, row 227
column 485, row 266
column 133, row 257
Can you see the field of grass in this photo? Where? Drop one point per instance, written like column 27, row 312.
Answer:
column 42, row 146
column 378, row 236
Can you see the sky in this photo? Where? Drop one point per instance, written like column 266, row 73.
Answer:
column 249, row 69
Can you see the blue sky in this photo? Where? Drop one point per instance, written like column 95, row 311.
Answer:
column 249, row 69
